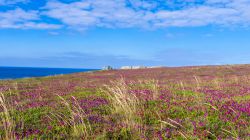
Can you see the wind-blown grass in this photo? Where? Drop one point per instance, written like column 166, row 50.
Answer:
column 77, row 120
column 124, row 104
column 7, row 123
column 171, row 103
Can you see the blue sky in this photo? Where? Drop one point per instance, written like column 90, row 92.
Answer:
column 95, row 33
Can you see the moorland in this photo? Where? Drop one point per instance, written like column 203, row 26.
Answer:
column 200, row 102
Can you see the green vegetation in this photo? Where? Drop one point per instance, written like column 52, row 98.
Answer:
column 144, row 104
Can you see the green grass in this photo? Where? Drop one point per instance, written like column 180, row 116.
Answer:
column 144, row 104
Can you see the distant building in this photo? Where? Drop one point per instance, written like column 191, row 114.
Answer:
column 107, row 68
column 126, row 67
column 139, row 67
column 156, row 67
column 133, row 67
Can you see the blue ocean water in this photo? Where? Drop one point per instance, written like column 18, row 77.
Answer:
column 24, row 72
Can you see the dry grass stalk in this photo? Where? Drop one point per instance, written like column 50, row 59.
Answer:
column 123, row 102
column 78, row 119
column 155, row 87
column 182, row 86
column 170, row 124
column 234, row 135
column 213, row 107
column 6, row 120
column 198, row 85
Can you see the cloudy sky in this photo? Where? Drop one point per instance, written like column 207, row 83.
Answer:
column 95, row 33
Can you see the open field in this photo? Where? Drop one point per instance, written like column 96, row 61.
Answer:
column 210, row 102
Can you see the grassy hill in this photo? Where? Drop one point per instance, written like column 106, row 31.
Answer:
column 208, row 102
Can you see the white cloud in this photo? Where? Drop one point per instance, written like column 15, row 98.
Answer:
column 197, row 16
column 108, row 13
column 83, row 14
column 143, row 14
column 21, row 19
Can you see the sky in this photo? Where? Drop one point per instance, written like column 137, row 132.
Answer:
column 96, row 33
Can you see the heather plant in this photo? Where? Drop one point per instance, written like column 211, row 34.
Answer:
column 166, row 103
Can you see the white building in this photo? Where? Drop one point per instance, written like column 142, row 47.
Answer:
column 156, row 67
column 133, row 67
column 126, row 67
column 139, row 67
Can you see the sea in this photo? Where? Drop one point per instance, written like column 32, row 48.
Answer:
column 28, row 72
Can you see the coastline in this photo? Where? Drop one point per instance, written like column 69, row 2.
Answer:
column 12, row 73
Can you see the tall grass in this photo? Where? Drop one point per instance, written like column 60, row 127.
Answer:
column 77, row 120
column 145, row 109
column 124, row 103
column 154, row 86
column 7, row 123
column 133, row 109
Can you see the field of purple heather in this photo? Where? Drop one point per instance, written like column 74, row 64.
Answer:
column 209, row 102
